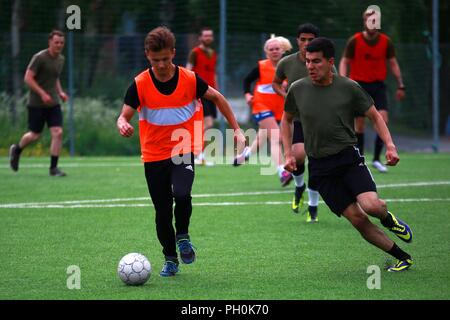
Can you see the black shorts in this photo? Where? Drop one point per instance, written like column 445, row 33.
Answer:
column 38, row 116
column 377, row 90
column 209, row 108
column 340, row 178
column 297, row 136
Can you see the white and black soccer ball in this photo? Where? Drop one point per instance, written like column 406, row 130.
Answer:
column 134, row 269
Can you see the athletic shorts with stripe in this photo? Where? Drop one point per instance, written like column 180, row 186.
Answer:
column 340, row 178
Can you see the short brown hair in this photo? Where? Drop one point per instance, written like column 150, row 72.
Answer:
column 159, row 39
column 200, row 33
column 55, row 32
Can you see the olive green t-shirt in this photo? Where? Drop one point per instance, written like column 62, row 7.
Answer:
column 327, row 113
column 291, row 68
column 47, row 70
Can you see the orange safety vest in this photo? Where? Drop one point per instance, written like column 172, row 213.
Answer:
column 264, row 97
column 205, row 66
column 369, row 62
column 169, row 125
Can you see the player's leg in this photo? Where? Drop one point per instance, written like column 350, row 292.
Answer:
column 209, row 115
column 257, row 143
column 359, row 131
column 378, row 148
column 182, row 177
column 157, row 175
column 379, row 95
column 270, row 125
column 374, row 235
column 36, row 122
column 298, row 151
column 54, row 120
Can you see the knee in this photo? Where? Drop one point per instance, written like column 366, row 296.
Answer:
column 373, row 206
column 34, row 136
column 57, row 132
column 182, row 196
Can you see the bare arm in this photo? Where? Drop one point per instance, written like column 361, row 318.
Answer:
column 343, row 66
column 60, row 91
column 277, row 85
column 123, row 122
column 191, row 61
column 31, row 82
column 383, row 131
column 395, row 69
column 286, row 137
column 219, row 100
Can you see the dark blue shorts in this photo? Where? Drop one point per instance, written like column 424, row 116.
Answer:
column 257, row 117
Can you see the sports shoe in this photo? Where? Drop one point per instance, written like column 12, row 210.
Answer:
column 401, row 265
column 286, row 178
column 55, row 172
column 297, row 201
column 169, row 269
column 312, row 215
column 401, row 229
column 187, row 252
column 241, row 158
column 14, row 157
column 379, row 166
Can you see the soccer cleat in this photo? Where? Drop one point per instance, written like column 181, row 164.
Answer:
column 241, row 158
column 401, row 229
column 312, row 215
column 379, row 166
column 286, row 178
column 14, row 157
column 55, row 172
column 169, row 269
column 187, row 252
column 401, row 265
column 297, row 201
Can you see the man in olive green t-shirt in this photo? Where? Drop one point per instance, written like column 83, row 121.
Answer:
column 42, row 77
column 292, row 68
column 327, row 104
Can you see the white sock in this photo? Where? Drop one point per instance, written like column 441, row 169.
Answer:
column 280, row 170
column 299, row 181
column 313, row 198
column 247, row 152
column 201, row 156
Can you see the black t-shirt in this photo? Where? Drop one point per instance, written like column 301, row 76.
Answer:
column 166, row 88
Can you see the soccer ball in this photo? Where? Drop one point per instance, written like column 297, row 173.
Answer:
column 134, row 269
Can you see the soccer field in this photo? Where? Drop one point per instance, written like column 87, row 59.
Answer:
column 249, row 243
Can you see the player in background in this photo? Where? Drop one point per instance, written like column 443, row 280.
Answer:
column 267, row 105
column 292, row 68
column 164, row 96
column 367, row 54
column 202, row 60
column 42, row 77
column 326, row 104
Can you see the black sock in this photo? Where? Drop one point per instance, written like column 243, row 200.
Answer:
column 387, row 222
column 378, row 147
column 300, row 170
column 360, row 137
column 398, row 253
column 18, row 150
column 54, row 162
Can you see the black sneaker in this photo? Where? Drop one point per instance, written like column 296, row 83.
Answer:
column 312, row 215
column 297, row 201
column 14, row 157
column 55, row 172
column 187, row 252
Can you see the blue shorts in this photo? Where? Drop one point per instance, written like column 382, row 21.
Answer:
column 257, row 117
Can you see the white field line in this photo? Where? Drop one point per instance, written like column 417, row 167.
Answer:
column 200, row 204
column 109, row 203
column 78, row 165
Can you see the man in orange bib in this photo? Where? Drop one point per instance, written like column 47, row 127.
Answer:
column 367, row 53
column 202, row 60
column 170, row 131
